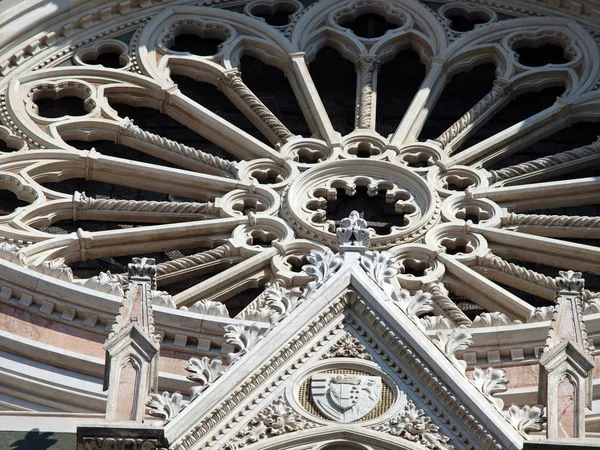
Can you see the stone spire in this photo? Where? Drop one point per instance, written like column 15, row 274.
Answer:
column 131, row 368
column 566, row 363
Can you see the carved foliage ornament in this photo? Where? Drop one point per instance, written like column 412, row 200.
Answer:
column 491, row 382
column 413, row 425
column 276, row 419
column 526, row 419
column 242, row 338
column 348, row 347
column 322, row 265
column 379, row 266
column 203, row 371
column 166, row 405
column 453, row 341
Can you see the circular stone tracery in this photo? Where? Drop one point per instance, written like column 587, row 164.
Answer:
column 403, row 206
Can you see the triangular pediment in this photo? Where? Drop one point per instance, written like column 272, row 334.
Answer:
column 320, row 368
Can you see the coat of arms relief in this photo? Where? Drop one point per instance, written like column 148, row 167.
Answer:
column 343, row 397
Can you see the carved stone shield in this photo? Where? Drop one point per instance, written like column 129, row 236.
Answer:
column 345, row 398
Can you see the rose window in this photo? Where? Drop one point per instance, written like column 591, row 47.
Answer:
column 228, row 142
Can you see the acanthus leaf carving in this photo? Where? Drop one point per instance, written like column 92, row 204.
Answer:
column 542, row 314
column 55, row 268
column 163, row 298
column 451, row 342
column 379, row 266
column 322, row 265
column 413, row 305
column 264, row 315
column 242, row 338
column 436, row 323
column 414, row 425
column 489, row 382
column 492, row 319
column 166, row 405
column 105, row 282
column 348, row 347
column 210, row 308
column 592, row 306
column 280, row 302
column 526, row 419
column 12, row 253
column 276, row 419
column 203, row 371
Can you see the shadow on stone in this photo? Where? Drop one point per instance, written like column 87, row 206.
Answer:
column 34, row 439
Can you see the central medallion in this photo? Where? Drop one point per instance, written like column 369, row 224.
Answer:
column 396, row 202
column 345, row 398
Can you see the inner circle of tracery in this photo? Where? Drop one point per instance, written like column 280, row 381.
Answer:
column 157, row 138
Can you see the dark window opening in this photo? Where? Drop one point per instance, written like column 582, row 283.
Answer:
column 210, row 97
column 577, row 135
column 9, row 202
column 64, row 106
column 335, row 80
column 238, row 302
column 533, row 300
column 522, row 107
column 379, row 214
column 461, row 24
column 118, row 264
column 111, row 60
column 195, row 44
column 155, row 122
column 5, row 147
column 398, row 81
column 272, row 87
column 542, row 55
column 459, row 95
column 109, row 148
column 469, row 308
column 98, row 189
column 277, row 16
column 369, row 25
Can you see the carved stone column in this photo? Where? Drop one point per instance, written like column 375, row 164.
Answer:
column 366, row 101
column 131, row 368
column 232, row 80
column 566, row 364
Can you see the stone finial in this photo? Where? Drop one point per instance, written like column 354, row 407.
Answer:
column 353, row 231
column 143, row 269
column 132, row 347
column 567, row 321
column 566, row 363
column 569, row 281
